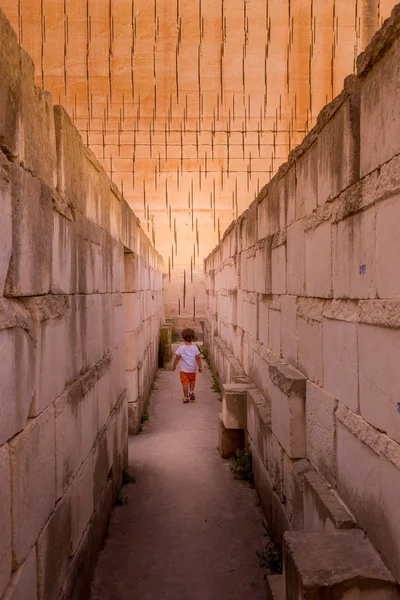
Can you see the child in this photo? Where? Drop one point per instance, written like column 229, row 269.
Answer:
column 188, row 354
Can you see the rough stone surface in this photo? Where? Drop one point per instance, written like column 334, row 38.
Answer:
column 23, row 583
column 321, row 431
column 341, row 356
column 323, row 511
column 5, row 518
column 230, row 440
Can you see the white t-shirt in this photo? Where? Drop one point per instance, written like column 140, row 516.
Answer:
column 188, row 354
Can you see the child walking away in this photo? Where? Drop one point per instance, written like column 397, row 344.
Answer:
column 188, row 356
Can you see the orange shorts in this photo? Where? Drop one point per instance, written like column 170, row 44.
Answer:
column 187, row 378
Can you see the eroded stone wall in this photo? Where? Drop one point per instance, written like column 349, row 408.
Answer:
column 304, row 300
column 67, row 241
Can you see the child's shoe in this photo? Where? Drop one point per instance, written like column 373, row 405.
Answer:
column 192, row 396
column 185, row 400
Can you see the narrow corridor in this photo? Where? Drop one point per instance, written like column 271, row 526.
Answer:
column 189, row 531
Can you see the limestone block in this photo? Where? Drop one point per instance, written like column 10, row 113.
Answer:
column 321, row 431
column 119, row 321
column 129, row 230
column 289, row 335
column 63, row 272
column 307, row 181
column 95, row 328
column 319, row 261
column 5, row 518
column 32, row 234
column 263, row 267
column 278, row 260
column 76, row 426
column 81, row 502
column 38, row 143
column 53, row 550
column 72, row 182
column 23, row 584
column 379, row 119
column 259, row 423
column 358, row 479
column 234, row 405
column 33, row 482
column 135, row 345
column 323, row 510
column 340, row 355
column 386, row 524
column 353, row 256
column 133, row 417
column 10, row 76
column 263, row 318
column 5, row 220
column 104, row 392
column 310, row 349
column 379, row 355
column 287, row 197
column 275, row 466
column 268, row 211
column 335, row 563
column 53, row 352
column 17, row 376
column 133, row 311
column 338, row 152
column 250, row 315
column 287, row 397
column 293, row 484
column 296, row 259
column 104, row 457
column 387, row 247
column 229, row 440
column 274, row 329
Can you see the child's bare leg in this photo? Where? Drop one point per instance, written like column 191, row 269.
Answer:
column 192, row 385
column 185, row 391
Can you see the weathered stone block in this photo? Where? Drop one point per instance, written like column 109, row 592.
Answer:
column 259, row 423
column 380, row 122
column 234, row 405
column 33, row 482
column 274, row 328
column 353, row 257
column 287, row 397
column 341, row 357
column 17, row 357
column 51, row 316
column 275, row 587
column 289, row 334
column 323, row 511
column 379, row 356
column 63, row 272
column 230, row 440
column 296, row 259
column 263, row 267
column 388, row 247
column 321, row 431
column 279, row 269
column 5, row 221
column 338, row 149
column 310, row 348
column 263, row 318
column 5, row 518
column 307, row 181
column 32, row 226
column 53, row 550
column 293, row 475
column 319, row 261
column 10, row 93
column 81, row 502
column 351, row 569
column 275, row 465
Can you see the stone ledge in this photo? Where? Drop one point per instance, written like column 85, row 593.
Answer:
column 335, row 562
column 327, row 504
column 276, row 587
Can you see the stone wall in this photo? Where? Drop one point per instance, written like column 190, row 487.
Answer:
column 304, row 301
column 77, row 275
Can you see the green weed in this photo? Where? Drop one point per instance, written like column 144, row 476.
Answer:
column 121, row 499
column 127, row 477
column 241, row 465
column 269, row 558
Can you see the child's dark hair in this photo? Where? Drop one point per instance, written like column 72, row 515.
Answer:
column 188, row 335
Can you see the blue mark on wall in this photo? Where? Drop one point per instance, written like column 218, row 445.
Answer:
column 398, row 407
column 363, row 269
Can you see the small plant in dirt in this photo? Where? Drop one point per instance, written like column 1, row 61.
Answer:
column 175, row 337
column 127, row 477
column 146, row 416
column 121, row 499
column 269, row 558
column 215, row 387
column 241, row 465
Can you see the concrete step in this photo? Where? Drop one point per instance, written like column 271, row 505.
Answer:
column 275, row 587
column 335, row 565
